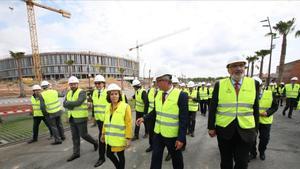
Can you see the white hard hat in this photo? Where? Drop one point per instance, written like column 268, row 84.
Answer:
column 272, row 84
column 208, row 84
column 136, row 83
column 162, row 71
column 235, row 59
column 73, row 79
column 36, row 87
column 99, row 78
column 112, row 87
column 294, row 78
column 175, row 79
column 45, row 83
column 154, row 80
column 282, row 83
column 259, row 80
column 203, row 83
column 191, row 84
column 182, row 84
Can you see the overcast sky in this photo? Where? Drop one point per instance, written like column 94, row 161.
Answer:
column 217, row 30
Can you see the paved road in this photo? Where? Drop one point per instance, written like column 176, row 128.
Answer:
column 201, row 152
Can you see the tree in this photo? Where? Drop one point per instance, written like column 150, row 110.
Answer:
column 17, row 57
column 122, row 70
column 284, row 28
column 262, row 53
column 297, row 34
column 70, row 64
column 100, row 68
column 252, row 60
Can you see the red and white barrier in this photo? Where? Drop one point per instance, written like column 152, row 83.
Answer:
column 22, row 111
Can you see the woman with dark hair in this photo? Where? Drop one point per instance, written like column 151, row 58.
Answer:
column 117, row 128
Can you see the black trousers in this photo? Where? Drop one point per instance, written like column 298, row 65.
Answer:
column 291, row 103
column 208, row 103
column 80, row 130
column 234, row 149
column 137, row 128
column 264, row 137
column 36, row 123
column 119, row 162
column 192, row 121
column 150, row 125
column 203, row 106
column 159, row 144
column 57, row 128
column 101, row 145
column 280, row 101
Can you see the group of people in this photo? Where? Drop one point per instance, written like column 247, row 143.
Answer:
column 240, row 108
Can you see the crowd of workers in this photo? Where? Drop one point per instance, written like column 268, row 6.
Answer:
column 240, row 108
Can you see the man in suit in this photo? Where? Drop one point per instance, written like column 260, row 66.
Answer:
column 233, row 115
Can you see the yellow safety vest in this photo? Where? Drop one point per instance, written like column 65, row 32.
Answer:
column 36, row 107
column 99, row 104
column 151, row 98
column 52, row 102
column 265, row 103
column 123, row 98
column 193, row 106
column 280, row 90
column 298, row 107
column 167, row 114
column 211, row 90
column 115, row 126
column 139, row 102
column 231, row 107
column 203, row 93
column 291, row 92
column 79, row 111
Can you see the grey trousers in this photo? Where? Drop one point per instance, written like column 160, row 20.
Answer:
column 80, row 130
column 57, row 128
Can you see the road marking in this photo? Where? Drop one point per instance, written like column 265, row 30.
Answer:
column 16, row 167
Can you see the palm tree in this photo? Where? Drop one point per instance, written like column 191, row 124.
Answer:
column 252, row 61
column 100, row 68
column 122, row 70
column 284, row 28
column 17, row 57
column 297, row 34
column 262, row 53
column 248, row 67
column 70, row 64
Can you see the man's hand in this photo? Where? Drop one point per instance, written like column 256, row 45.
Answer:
column 264, row 114
column 102, row 139
column 212, row 133
column 178, row 145
column 139, row 121
column 128, row 143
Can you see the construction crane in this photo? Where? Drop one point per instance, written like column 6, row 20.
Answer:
column 154, row 40
column 33, row 34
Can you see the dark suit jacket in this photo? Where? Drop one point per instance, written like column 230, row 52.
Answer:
column 248, row 135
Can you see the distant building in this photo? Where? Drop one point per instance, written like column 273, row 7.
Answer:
column 54, row 66
column 291, row 69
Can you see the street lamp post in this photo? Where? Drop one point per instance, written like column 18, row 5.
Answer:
column 271, row 48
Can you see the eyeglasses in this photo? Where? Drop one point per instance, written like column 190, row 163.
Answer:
column 97, row 83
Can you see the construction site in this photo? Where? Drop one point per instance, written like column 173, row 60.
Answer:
column 60, row 40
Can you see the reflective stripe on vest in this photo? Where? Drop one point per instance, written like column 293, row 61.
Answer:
column 167, row 117
column 114, row 126
column 291, row 92
column 99, row 104
column 193, row 106
column 265, row 103
column 79, row 111
column 203, row 93
column 151, row 99
column 51, row 100
column 230, row 106
column 36, row 107
column 139, row 103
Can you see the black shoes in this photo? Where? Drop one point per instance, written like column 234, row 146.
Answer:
column 251, row 157
column 148, row 149
column 56, row 143
column 31, row 141
column 99, row 162
column 289, row 117
column 192, row 135
column 135, row 138
column 96, row 146
column 168, row 157
column 63, row 138
column 145, row 136
column 73, row 157
column 283, row 113
column 262, row 156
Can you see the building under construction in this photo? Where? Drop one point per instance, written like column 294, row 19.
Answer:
column 54, row 66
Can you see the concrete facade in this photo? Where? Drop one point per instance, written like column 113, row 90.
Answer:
column 85, row 63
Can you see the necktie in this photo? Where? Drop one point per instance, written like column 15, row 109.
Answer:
column 164, row 97
column 99, row 93
column 236, row 87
